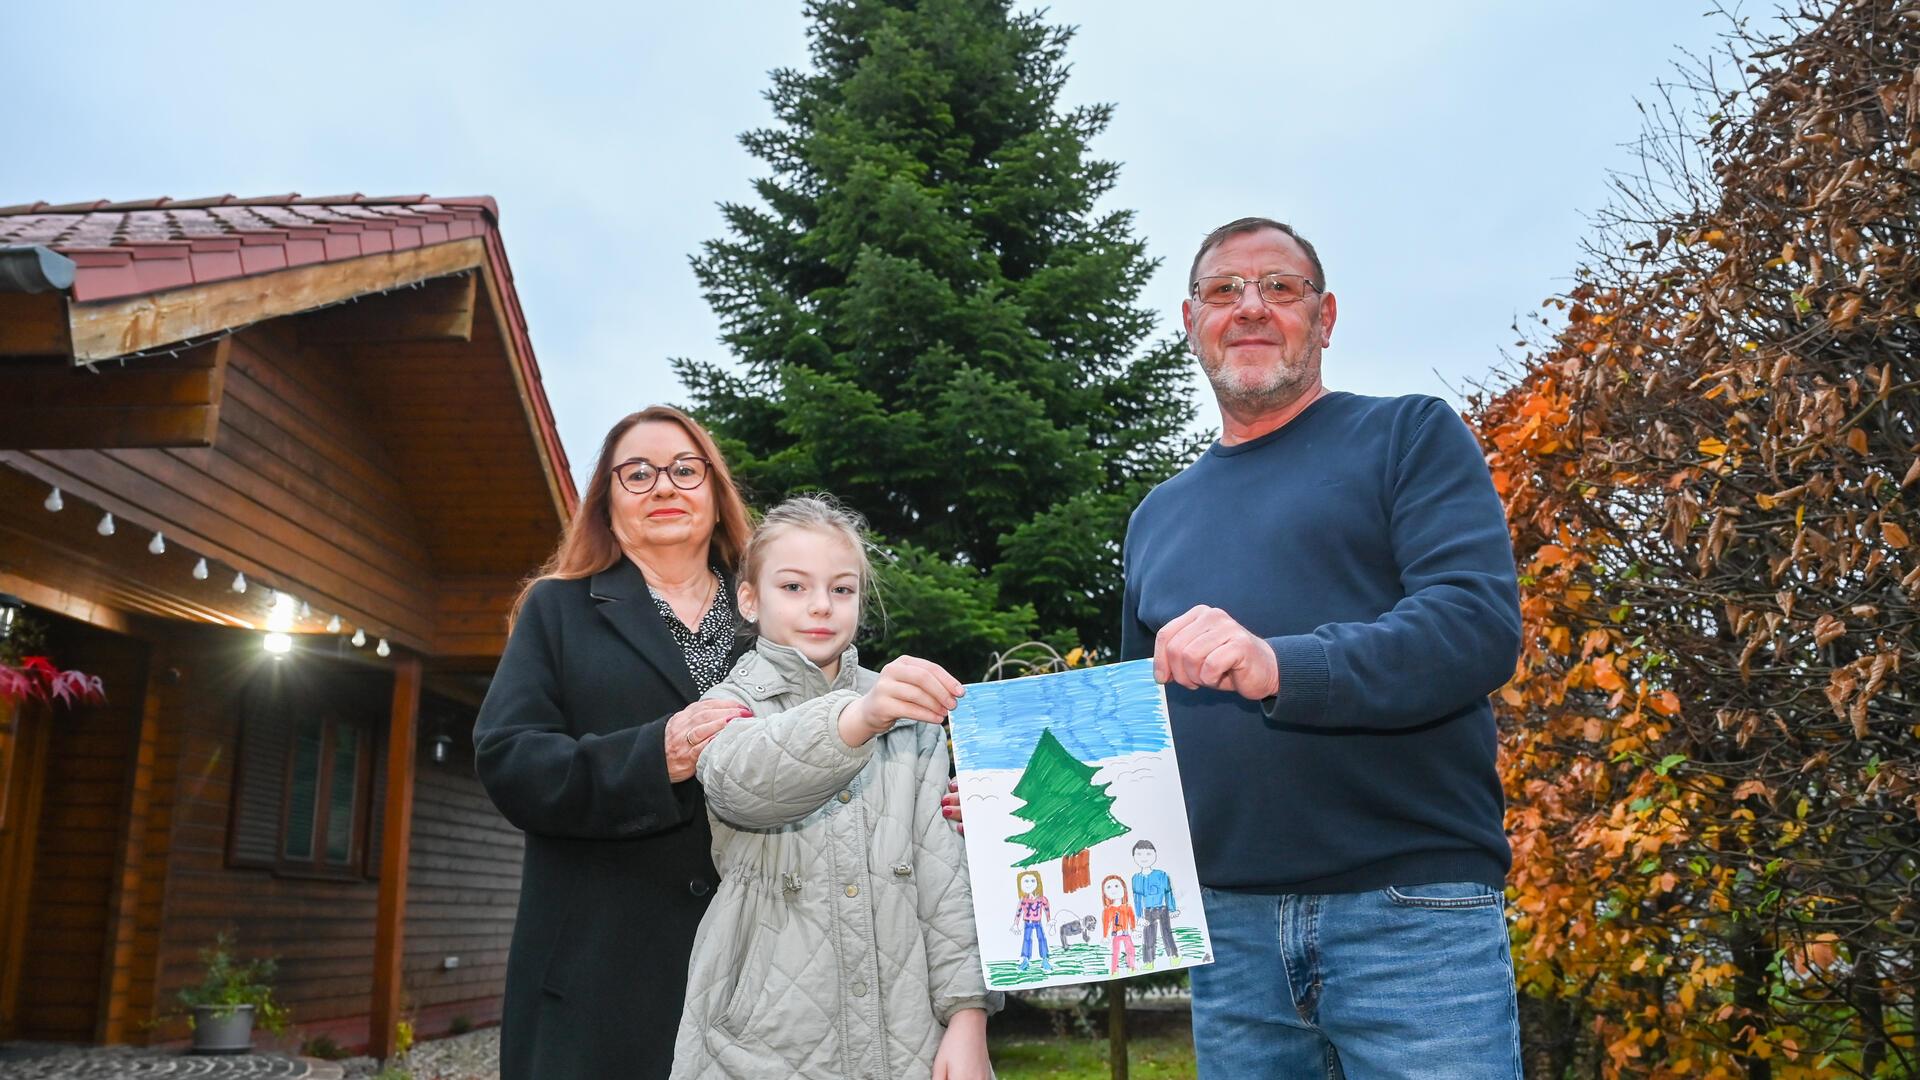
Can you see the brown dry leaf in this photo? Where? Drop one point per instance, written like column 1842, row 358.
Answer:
column 1826, row 628
column 1894, row 535
column 1857, row 441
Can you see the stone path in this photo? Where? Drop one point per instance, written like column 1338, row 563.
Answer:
column 43, row 1061
column 473, row 1056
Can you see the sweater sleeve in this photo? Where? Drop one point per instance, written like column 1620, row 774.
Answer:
column 1136, row 641
column 1454, row 636
column 944, row 895
column 761, row 772
column 547, row 780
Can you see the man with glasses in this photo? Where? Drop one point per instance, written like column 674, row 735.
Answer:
column 1329, row 594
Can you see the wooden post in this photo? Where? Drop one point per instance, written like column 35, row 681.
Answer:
column 389, row 937
column 1117, row 1028
column 116, row 1023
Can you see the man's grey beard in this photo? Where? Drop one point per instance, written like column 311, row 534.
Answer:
column 1281, row 387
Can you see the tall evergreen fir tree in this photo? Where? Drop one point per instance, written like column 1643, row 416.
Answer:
column 931, row 320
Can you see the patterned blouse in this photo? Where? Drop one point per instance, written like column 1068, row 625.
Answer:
column 1034, row 908
column 709, row 646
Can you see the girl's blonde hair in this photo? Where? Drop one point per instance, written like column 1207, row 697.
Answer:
column 1039, row 887
column 822, row 513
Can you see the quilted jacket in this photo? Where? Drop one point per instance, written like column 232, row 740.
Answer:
column 841, row 939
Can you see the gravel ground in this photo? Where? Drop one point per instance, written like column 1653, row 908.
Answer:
column 473, row 1056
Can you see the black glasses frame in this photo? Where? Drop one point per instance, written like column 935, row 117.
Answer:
column 706, row 467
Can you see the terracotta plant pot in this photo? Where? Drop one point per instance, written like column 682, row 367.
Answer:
column 222, row 1029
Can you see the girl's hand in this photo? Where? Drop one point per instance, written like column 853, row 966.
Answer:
column 963, row 1049
column 909, row 688
column 950, row 807
column 690, row 729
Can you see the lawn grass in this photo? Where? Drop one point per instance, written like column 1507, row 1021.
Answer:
column 1040, row 1057
column 1047, row 1044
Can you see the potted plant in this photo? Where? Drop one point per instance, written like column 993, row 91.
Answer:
column 231, row 998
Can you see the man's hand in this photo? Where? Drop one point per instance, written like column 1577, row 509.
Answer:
column 1206, row 648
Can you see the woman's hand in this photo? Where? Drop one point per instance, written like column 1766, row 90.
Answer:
column 950, row 807
column 690, row 729
column 963, row 1049
column 909, row 688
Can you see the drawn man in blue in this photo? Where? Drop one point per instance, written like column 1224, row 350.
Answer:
column 1153, row 902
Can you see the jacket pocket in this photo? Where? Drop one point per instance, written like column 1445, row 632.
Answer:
column 1444, row 895
column 556, row 972
column 749, row 979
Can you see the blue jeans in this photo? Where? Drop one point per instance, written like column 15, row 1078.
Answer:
column 1415, row 981
column 1028, row 937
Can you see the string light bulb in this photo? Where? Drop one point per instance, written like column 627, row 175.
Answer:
column 359, row 637
column 239, row 583
column 53, row 504
column 157, row 545
column 305, row 611
column 105, row 528
column 381, row 649
column 200, row 570
column 333, row 625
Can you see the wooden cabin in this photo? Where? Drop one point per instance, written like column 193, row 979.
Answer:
column 332, row 404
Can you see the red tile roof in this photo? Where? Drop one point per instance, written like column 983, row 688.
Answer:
column 129, row 248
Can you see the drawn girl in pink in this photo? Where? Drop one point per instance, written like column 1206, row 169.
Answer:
column 1033, row 911
column 1116, row 920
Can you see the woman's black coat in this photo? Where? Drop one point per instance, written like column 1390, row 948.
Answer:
column 618, row 870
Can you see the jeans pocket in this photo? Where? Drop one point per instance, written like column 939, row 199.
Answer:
column 1444, row 895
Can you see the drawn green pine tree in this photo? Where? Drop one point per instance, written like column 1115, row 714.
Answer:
column 1070, row 813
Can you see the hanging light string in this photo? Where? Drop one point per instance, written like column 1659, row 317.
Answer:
column 284, row 609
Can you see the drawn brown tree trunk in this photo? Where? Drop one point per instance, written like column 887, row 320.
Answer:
column 1074, row 871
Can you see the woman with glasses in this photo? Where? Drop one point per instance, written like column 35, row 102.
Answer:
column 587, row 742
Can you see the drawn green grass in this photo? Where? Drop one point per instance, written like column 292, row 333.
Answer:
column 1085, row 959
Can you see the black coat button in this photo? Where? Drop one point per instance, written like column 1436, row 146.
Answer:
column 698, row 887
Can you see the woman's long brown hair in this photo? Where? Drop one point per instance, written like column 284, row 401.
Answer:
column 589, row 545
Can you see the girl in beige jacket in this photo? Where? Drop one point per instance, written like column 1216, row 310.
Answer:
column 841, row 942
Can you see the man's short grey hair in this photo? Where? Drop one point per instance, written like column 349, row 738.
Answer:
column 1255, row 224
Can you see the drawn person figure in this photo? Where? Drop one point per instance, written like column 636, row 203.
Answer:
column 1032, row 912
column 1153, row 902
column 1117, row 921
column 1328, row 594
column 841, row 941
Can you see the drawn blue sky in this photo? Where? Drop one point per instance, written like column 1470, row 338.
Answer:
column 1097, row 714
column 1442, row 156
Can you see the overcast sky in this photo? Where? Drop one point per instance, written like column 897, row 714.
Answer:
column 1443, row 157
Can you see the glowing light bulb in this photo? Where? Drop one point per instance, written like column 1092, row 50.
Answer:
column 53, row 503
column 381, row 649
column 239, row 583
column 200, row 570
column 277, row 644
column 333, row 625
column 105, row 528
column 157, row 545
column 359, row 637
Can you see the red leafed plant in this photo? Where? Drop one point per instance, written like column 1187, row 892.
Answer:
column 23, row 677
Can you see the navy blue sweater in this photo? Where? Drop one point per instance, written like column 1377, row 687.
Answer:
column 1364, row 541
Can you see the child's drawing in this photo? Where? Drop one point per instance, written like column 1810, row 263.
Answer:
column 1069, row 780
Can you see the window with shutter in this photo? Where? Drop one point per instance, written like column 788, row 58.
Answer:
column 304, row 787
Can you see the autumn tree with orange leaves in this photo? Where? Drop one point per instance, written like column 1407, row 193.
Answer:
column 1712, row 742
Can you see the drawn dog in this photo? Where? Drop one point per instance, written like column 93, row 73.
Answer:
column 1086, row 930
